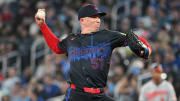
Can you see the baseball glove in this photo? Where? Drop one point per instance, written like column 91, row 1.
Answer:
column 136, row 45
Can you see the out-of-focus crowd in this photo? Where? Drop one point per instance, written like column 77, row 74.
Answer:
column 158, row 21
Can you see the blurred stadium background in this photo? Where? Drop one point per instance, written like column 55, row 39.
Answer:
column 29, row 70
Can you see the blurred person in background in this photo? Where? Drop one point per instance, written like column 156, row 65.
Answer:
column 26, row 76
column 5, row 94
column 11, row 79
column 115, row 76
column 25, row 42
column 6, row 15
column 61, row 83
column 62, row 65
column 6, row 98
column 125, row 25
column 22, row 95
column 16, row 90
column 153, row 29
column 49, row 89
column 33, row 95
column 46, row 67
column 2, row 49
column 162, row 18
column 134, row 15
column 149, row 15
column 126, row 90
column 157, row 89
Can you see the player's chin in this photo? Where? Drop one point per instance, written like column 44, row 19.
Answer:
column 97, row 28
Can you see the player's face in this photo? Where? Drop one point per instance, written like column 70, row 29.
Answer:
column 92, row 22
column 156, row 75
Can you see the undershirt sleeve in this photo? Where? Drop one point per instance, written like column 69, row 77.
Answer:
column 51, row 40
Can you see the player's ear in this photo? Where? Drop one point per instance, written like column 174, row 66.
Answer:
column 81, row 19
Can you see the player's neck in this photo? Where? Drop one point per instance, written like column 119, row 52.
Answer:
column 157, row 82
column 88, row 31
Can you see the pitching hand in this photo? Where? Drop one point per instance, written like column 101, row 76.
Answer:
column 40, row 16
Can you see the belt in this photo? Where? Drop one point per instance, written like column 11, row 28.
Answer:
column 89, row 90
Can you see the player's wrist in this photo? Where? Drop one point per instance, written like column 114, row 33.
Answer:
column 43, row 25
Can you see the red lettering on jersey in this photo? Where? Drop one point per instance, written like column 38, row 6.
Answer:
column 156, row 93
column 162, row 99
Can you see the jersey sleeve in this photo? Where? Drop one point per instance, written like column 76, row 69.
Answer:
column 51, row 40
column 118, row 39
column 63, row 45
column 172, row 94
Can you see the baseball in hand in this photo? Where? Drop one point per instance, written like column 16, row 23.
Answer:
column 41, row 14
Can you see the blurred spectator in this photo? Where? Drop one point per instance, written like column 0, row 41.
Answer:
column 2, row 48
column 27, row 75
column 127, row 89
column 11, row 80
column 25, row 42
column 154, row 29
column 163, row 4
column 33, row 95
column 134, row 15
column 125, row 25
column 147, row 19
column 174, row 15
column 16, row 90
column 49, row 89
column 6, row 16
column 162, row 18
column 47, row 67
column 5, row 94
column 59, row 81
column 6, row 98
column 22, row 95
column 136, row 67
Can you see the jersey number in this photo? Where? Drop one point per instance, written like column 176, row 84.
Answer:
column 97, row 63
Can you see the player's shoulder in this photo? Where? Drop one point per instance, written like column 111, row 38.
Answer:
column 104, row 31
column 165, row 82
column 112, row 32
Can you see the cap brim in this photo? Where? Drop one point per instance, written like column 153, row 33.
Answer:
column 102, row 14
